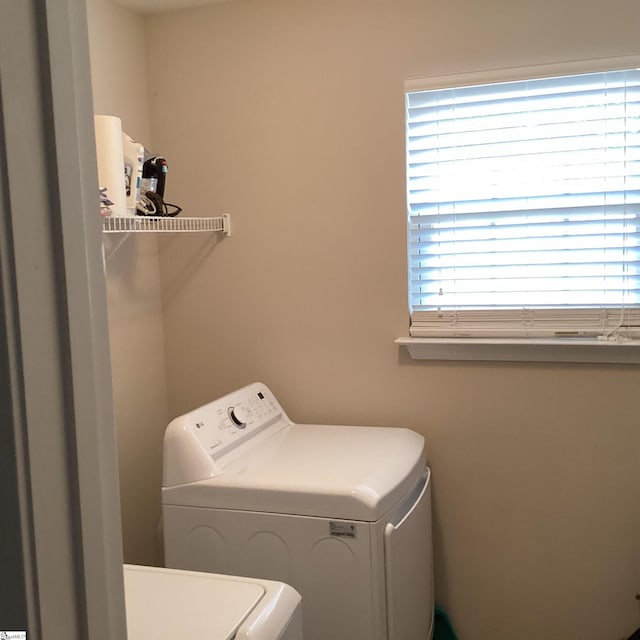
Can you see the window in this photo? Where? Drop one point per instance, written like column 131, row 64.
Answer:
column 524, row 208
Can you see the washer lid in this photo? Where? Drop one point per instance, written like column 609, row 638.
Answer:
column 353, row 473
column 164, row 604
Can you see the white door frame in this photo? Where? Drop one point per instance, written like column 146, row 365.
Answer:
column 60, row 534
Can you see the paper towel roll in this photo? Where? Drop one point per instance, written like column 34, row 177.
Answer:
column 111, row 161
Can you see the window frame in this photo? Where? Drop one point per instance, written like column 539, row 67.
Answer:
column 578, row 350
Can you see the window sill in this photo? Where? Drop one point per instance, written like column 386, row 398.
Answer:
column 523, row 350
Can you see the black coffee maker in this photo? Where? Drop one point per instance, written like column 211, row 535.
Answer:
column 154, row 176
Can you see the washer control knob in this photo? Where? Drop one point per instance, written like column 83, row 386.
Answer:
column 239, row 416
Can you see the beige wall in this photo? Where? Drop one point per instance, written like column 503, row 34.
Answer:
column 288, row 114
column 118, row 65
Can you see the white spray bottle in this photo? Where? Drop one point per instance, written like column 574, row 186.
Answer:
column 133, row 158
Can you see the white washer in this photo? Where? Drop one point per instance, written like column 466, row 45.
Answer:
column 165, row 604
column 343, row 514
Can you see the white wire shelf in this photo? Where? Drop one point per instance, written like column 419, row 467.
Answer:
column 144, row 224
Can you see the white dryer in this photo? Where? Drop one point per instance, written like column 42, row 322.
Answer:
column 165, row 604
column 341, row 513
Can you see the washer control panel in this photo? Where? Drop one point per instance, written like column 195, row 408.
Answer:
column 224, row 423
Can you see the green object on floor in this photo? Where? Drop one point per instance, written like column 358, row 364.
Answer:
column 442, row 627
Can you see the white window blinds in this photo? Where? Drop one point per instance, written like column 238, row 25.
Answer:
column 524, row 207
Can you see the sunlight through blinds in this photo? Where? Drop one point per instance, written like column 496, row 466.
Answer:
column 523, row 207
